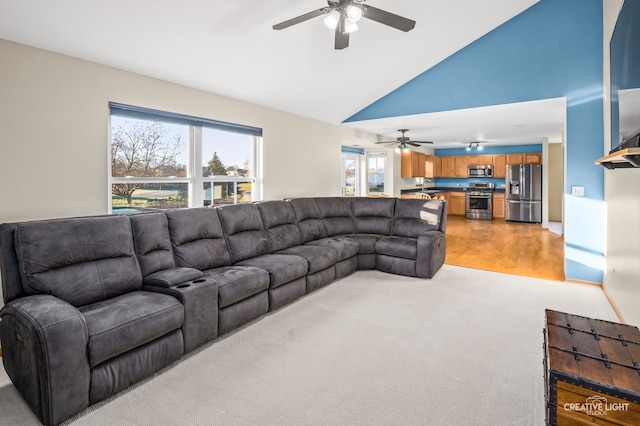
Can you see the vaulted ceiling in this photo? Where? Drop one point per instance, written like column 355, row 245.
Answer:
column 230, row 48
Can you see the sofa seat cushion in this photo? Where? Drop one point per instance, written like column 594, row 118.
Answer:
column 367, row 242
column 282, row 268
column 236, row 283
column 317, row 257
column 345, row 247
column 398, row 247
column 125, row 322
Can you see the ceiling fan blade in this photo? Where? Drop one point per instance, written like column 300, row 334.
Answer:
column 412, row 144
column 388, row 18
column 387, row 142
column 342, row 37
column 301, row 18
column 422, row 142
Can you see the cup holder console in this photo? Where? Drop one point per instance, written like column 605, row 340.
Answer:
column 196, row 281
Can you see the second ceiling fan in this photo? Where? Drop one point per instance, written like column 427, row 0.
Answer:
column 343, row 15
column 403, row 141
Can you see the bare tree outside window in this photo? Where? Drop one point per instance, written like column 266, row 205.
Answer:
column 144, row 149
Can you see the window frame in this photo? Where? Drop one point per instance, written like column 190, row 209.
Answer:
column 194, row 179
column 385, row 181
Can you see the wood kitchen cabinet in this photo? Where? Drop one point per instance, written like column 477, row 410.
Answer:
column 498, row 205
column 429, row 166
column 514, row 158
column 457, row 203
column 529, row 158
column 447, row 167
column 499, row 165
column 532, row 158
column 437, row 165
column 460, row 166
column 412, row 164
column 479, row 160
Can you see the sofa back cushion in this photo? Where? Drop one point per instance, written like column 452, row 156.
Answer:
column 413, row 217
column 244, row 231
column 79, row 260
column 152, row 242
column 336, row 215
column 197, row 238
column 280, row 224
column 373, row 215
column 309, row 219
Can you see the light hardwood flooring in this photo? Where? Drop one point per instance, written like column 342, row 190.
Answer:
column 513, row 248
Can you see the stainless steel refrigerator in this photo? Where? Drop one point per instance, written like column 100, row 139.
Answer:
column 523, row 193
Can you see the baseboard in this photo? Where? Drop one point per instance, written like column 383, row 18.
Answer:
column 613, row 304
column 582, row 282
column 606, row 294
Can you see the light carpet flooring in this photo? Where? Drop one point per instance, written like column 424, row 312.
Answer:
column 464, row 348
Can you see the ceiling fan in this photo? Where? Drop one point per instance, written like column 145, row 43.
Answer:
column 343, row 15
column 403, row 141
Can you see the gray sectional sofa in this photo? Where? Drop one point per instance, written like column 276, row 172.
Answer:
column 95, row 304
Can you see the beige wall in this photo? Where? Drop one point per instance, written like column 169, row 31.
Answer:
column 555, row 176
column 54, row 121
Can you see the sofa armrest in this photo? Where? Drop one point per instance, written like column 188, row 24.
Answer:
column 199, row 297
column 431, row 252
column 44, row 344
column 171, row 277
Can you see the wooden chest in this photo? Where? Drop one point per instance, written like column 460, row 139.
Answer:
column 592, row 371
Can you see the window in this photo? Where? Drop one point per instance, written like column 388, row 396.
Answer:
column 376, row 168
column 163, row 160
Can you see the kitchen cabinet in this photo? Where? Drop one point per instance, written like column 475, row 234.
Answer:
column 498, row 205
column 412, row 164
column 429, row 166
column 514, row 158
column 532, row 158
column 474, row 160
column 460, row 166
column 437, row 166
column 447, row 168
column 457, row 203
column 527, row 158
column 479, row 160
column 499, row 165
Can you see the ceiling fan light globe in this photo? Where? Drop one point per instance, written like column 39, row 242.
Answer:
column 349, row 26
column 332, row 19
column 354, row 13
column 479, row 148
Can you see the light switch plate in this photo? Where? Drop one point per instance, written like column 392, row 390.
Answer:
column 578, row 191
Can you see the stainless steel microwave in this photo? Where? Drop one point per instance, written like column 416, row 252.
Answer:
column 480, row 171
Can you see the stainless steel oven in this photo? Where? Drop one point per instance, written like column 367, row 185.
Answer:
column 479, row 201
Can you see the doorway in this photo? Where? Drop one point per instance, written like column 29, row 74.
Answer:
column 350, row 174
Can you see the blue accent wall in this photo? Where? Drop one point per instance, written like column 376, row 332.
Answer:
column 553, row 49
column 498, row 183
column 508, row 149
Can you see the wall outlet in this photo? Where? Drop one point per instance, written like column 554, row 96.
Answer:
column 578, row 191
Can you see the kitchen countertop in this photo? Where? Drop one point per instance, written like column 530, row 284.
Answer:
column 435, row 189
